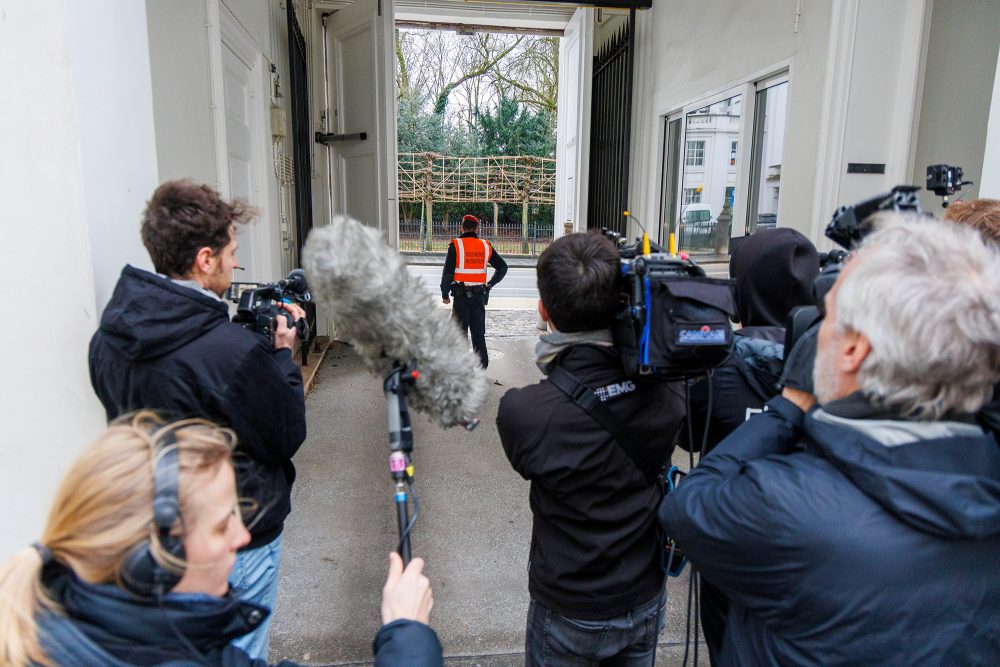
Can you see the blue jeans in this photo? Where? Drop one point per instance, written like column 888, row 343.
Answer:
column 553, row 640
column 255, row 579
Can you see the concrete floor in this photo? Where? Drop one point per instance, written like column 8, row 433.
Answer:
column 474, row 526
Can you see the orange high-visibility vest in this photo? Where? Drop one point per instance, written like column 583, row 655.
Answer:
column 471, row 256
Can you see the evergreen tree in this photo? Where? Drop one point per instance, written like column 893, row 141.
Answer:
column 513, row 129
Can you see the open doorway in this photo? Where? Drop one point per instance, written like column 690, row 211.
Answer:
column 358, row 120
column 476, row 134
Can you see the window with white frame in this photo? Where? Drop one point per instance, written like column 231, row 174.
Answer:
column 768, row 142
column 694, row 154
column 715, row 156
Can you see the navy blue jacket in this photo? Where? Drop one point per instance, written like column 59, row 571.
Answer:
column 104, row 626
column 837, row 549
column 170, row 348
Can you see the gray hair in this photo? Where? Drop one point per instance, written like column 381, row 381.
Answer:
column 927, row 296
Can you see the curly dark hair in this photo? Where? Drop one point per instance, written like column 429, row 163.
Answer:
column 578, row 277
column 183, row 217
column 981, row 214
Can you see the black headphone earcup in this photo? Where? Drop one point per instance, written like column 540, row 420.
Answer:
column 142, row 576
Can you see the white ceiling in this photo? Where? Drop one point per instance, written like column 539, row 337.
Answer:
column 524, row 13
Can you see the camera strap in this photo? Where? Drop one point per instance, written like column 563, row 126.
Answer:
column 585, row 397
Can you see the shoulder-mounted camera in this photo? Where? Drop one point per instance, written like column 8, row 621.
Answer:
column 676, row 321
column 257, row 304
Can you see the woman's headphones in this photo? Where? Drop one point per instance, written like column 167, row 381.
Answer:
column 141, row 574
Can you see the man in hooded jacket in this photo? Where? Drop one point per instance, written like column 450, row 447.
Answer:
column 774, row 270
column 865, row 530
column 594, row 570
column 165, row 343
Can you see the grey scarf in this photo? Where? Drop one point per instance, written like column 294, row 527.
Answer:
column 193, row 284
column 550, row 345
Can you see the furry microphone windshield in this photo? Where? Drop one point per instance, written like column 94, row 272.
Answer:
column 382, row 310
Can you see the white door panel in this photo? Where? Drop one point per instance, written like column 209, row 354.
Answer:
column 360, row 191
column 236, row 81
column 359, row 40
column 573, row 130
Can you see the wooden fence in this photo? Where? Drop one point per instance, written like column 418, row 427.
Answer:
column 429, row 178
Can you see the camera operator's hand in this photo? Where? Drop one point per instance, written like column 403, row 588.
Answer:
column 802, row 400
column 284, row 335
column 798, row 371
column 407, row 593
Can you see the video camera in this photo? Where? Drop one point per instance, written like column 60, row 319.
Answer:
column 849, row 225
column 944, row 180
column 258, row 308
column 676, row 320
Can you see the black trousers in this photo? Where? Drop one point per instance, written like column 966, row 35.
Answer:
column 469, row 311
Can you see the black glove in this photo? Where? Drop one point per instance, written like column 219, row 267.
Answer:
column 486, row 294
column 798, row 371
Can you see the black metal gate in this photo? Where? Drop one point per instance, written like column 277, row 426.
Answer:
column 301, row 132
column 610, row 131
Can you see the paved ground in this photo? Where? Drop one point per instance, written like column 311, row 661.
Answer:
column 474, row 526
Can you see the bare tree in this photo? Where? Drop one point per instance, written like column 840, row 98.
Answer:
column 474, row 71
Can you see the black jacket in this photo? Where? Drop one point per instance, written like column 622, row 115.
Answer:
column 739, row 387
column 170, row 348
column 104, row 626
column 448, row 274
column 594, row 550
column 837, row 549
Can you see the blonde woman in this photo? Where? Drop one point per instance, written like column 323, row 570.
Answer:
column 133, row 563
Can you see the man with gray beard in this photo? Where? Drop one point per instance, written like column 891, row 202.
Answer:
column 862, row 526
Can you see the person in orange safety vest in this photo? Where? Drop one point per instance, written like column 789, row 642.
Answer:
column 464, row 278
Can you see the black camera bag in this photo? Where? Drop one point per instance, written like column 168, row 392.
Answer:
column 685, row 330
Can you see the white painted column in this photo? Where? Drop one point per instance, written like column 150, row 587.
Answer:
column 112, row 89
column 49, row 410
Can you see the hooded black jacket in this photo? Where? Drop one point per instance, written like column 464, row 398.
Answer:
column 594, row 549
column 774, row 270
column 837, row 549
column 170, row 348
column 104, row 626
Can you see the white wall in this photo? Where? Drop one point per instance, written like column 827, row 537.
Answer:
column 990, row 186
column 178, row 55
column 181, row 38
column 853, row 69
column 49, row 410
column 959, row 84
column 185, row 57
column 109, row 58
column 689, row 51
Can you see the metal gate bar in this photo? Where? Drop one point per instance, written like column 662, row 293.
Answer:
column 611, row 130
column 301, row 136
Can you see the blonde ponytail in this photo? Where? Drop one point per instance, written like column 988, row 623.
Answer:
column 102, row 508
column 21, row 598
